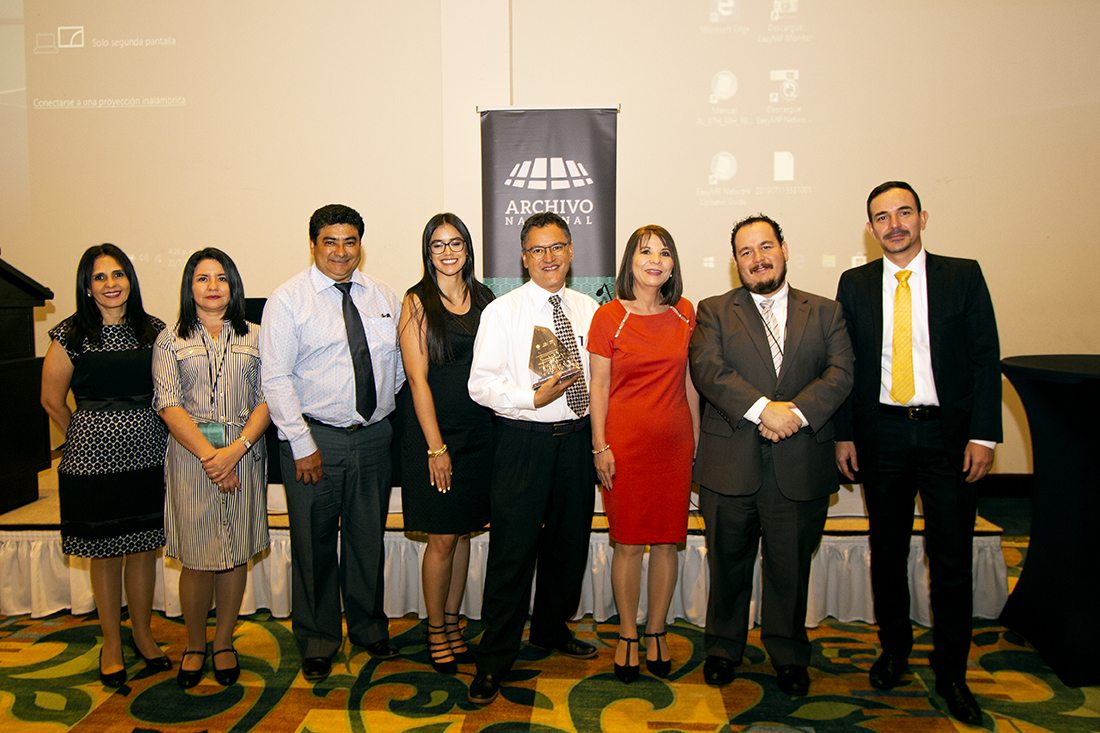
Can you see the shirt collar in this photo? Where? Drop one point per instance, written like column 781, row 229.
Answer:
column 778, row 299
column 540, row 296
column 917, row 266
column 320, row 280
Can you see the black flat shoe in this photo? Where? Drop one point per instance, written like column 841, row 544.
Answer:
column 718, row 671
column 188, row 678
column 155, row 664
column 628, row 672
column 484, row 689
column 226, row 677
column 657, row 667
column 111, row 679
column 960, row 701
column 443, row 659
column 462, row 653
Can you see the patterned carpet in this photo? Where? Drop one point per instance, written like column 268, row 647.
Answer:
column 49, row 682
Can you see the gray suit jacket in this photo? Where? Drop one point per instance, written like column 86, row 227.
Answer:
column 731, row 366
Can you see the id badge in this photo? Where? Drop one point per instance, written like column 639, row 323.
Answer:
column 215, row 432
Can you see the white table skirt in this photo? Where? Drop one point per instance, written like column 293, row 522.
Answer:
column 37, row 578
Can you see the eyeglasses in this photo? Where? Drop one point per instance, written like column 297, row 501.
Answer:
column 455, row 245
column 539, row 252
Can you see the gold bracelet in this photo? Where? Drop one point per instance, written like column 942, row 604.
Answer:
column 601, row 450
column 437, row 453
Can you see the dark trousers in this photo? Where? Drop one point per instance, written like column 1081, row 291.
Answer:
column 541, row 503
column 912, row 458
column 350, row 501
column 791, row 533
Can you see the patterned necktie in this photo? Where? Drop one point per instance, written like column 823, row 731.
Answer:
column 577, row 395
column 366, row 392
column 772, row 327
column 902, row 388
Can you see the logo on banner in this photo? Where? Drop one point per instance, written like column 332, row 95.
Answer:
column 541, row 174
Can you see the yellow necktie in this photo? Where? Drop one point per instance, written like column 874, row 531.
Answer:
column 902, row 388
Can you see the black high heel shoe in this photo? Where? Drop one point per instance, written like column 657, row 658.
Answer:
column 443, row 659
column 628, row 672
column 658, row 667
column 462, row 653
column 188, row 678
column 226, row 677
column 155, row 664
column 112, row 679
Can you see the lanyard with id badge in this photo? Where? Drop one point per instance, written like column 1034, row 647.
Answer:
column 216, row 432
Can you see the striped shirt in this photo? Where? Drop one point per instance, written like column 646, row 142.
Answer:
column 213, row 380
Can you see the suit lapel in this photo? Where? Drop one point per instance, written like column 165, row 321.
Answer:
column 935, row 286
column 874, row 292
column 746, row 310
column 798, row 314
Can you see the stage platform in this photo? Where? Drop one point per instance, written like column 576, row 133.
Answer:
column 37, row 579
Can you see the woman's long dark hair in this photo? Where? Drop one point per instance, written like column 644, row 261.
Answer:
column 234, row 313
column 432, row 312
column 87, row 323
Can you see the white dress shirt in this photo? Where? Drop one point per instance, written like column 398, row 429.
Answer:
column 500, row 377
column 306, row 361
column 779, row 310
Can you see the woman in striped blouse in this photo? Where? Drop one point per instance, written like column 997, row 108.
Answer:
column 206, row 374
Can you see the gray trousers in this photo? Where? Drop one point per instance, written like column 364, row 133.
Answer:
column 351, row 502
column 791, row 532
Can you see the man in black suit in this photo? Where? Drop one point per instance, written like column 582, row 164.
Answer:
column 774, row 364
column 924, row 416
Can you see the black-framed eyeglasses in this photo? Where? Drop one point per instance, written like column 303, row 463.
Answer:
column 539, row 252
column 455, row 245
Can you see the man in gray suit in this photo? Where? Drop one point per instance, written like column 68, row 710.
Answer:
column 774, row 364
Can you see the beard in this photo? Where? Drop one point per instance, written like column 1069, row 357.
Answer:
column 769, row 285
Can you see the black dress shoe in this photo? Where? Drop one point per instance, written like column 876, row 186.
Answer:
column 484, row 689
column 793, row 679
column 574, row 648
column 229, row 675
column 887, row 670
column 960, row 701
column 382, row 650
column 315, row 669
column 111, row 679
column 718, row 671
column 155, row 664
column 188, row 678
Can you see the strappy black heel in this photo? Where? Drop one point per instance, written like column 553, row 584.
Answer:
column 443, row 660
column 628, row 672
column 658, row 667
column 462, row 653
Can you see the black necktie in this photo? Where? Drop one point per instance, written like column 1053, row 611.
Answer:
column 365, row 390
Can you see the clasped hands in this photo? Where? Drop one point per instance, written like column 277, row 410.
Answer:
column 220, row 468
column 778, row 421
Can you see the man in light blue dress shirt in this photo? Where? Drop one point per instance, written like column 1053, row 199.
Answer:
column 335, row 460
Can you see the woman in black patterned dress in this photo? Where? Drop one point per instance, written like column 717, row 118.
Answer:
column 447, row 442
column 111, row 476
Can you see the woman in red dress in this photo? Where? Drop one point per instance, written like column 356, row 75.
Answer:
column 645, row 427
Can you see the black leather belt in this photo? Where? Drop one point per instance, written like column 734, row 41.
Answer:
column 565, row 427
column 916, row 412
column 349, row 429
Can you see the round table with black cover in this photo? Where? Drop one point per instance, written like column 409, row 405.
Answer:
column 1056, row 602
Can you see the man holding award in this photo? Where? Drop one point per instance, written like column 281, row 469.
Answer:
column 531, row 368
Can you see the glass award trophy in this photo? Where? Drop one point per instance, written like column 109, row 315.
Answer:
column 548, row 357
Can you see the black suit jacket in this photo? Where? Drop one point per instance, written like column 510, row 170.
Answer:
column 731, row 366
column 965, row 354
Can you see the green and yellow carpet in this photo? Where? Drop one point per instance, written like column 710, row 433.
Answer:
column 49, row 682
